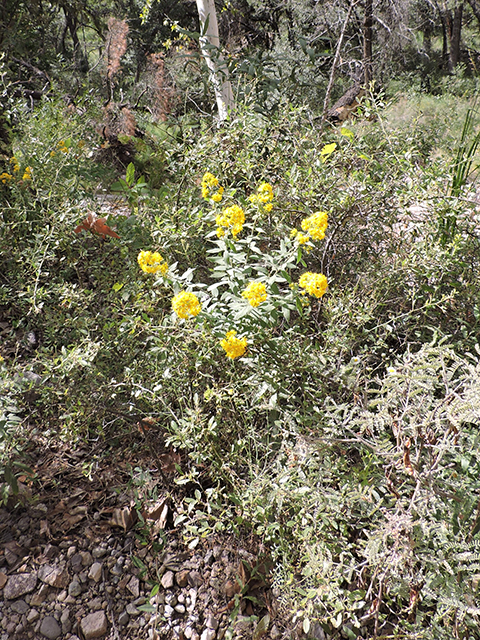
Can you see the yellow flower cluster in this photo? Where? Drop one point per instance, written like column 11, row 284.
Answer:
column 27, row 175
column 152, row 262
column 211, row 188
column 232, row 218
column 16, row 165
column 314, row 283
column 316, row 225
column 234, row 347
column 263, row 197
column 62, row 145
column 255, row 293
column 6, row 177
column 186, row 304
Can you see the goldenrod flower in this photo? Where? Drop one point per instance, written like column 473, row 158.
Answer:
column 301, row 238
column 234, row 347
column 265, row 193
column 210, row 184
column 255, row 293
column 6, row 177
column 152, row 262
column 186, row 304
column 232, row 218
column 314, row 283
column 27, row 174
column 16, row 165
column 316, row 225
column 263, row 198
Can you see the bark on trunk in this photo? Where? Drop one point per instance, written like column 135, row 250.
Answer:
column 367, row 43
column 455, row 35
column 210, row 48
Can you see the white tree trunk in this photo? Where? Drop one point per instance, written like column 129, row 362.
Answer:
column 210, row 47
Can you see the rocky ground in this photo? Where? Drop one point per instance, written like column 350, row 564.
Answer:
column 76, row 562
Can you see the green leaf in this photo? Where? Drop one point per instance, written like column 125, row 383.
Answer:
column 261, row 628
column 130, row 176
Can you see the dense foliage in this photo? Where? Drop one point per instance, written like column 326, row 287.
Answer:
column 155, row 265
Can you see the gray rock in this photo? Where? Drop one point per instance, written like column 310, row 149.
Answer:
column 74, row 588
column 180, row 608
column 208, row 634
column 19, row 584
column 134, row 586
column 32, row 615
column 94, row 625
column 123, row 619
column 86, row 558
column 195, row 579
column 167, row 579
column 211, row 622
column 98, row 552
column 56, row 575
column 40, row 596
column 132, row 610
column 95, row 572
column 20, row 606
column 50, row 628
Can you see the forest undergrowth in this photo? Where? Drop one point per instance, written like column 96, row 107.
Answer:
column 297, row 314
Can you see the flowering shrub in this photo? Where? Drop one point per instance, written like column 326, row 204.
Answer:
column 241, row 270
column 152, row 262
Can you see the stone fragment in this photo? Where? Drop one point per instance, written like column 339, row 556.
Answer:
column 61, row 596
column 134, row 586
column 20, row 606
column 20, row 584
column 132, row 610
column 98, row 552
column 208, row 634
column 32, row 615
column 181, row 578
column 94, row 625
column 211, row 622
column 123, row 619
column 195, row 579
column 95, row 572
column 86, row 558
column 74, row 588
column 76, row 562
column 50, row 551
column 3, row 579
column 167, row 579
column 56, row 575
column 50, row 628
column 40, row 596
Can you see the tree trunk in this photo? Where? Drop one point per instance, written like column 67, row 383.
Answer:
column 367, row 43
column 455, row 30
column 210, row 48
